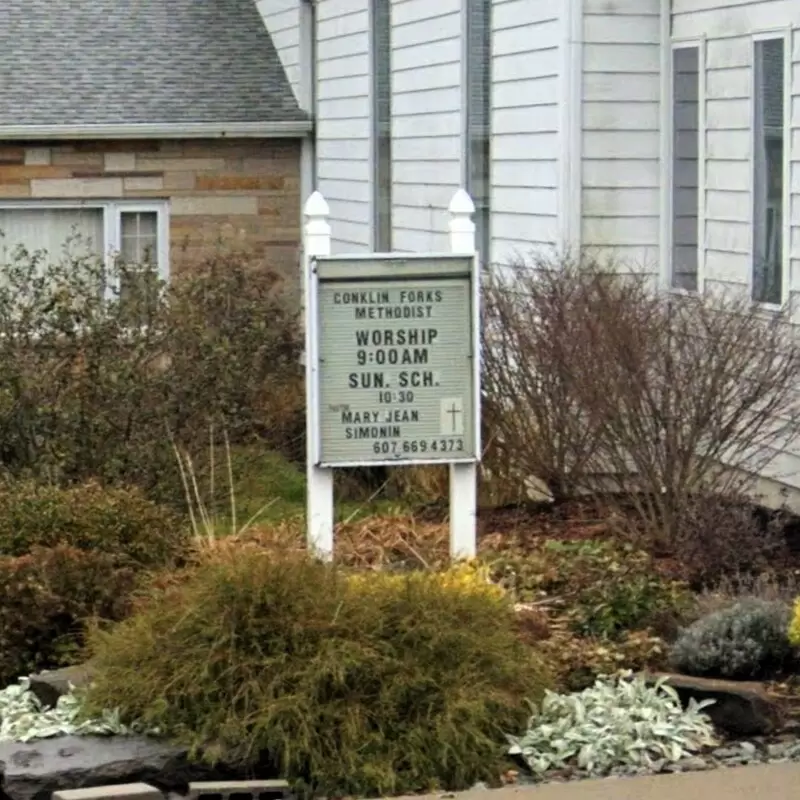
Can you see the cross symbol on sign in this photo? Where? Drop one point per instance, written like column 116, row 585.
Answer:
column 452, row 416
column 454, row 411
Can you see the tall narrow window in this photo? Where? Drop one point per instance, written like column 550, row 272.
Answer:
column 308, row 79
column 478, row 118
column 685, row 167
column 768, row 171
column 382, row 123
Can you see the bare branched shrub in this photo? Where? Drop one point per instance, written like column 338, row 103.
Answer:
column 594, row 378
column 717, row 537
column 770, row 585
column 533, row 342
column 696, row 394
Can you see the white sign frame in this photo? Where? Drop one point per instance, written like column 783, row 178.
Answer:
column 317, row 241
column 398, row 260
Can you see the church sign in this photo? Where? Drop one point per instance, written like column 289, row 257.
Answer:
column 396, row 359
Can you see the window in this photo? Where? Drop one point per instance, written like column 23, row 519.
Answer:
column 769, row 212
column 478, row 118
column 135, row 233
column 78, row 230
column 138, row 253
column 686, row 70
column 382, row 124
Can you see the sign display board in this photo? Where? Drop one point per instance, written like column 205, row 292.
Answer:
column 397, row 367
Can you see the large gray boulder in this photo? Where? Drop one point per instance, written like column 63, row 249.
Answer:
column 740, row 708
column 35, row 770
column 50, row 685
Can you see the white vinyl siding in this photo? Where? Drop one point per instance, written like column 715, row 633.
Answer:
column 730, row 29
column 621, row 144
column 526, row 89
column 282, row 19
column 344, row 127
column 427, row 104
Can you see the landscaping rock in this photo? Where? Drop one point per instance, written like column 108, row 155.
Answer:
column 740, row 708
column 49, row 686
column 35, row 770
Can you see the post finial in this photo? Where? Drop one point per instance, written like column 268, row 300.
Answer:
column 461, row 204
column 316, row 206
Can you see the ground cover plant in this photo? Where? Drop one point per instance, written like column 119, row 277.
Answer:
column 617, row 722
column 23, row 718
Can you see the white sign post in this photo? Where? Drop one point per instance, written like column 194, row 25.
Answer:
column 392, row 367
column 464, row 477
column 319, row 481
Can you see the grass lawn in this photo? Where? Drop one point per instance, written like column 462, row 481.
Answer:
column 269, row 488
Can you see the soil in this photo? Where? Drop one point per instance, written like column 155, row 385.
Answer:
column 596, row 517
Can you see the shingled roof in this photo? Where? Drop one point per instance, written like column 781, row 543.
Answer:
column 137, row 62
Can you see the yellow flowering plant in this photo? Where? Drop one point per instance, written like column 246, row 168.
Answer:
column 469, row 577
column 794, row 625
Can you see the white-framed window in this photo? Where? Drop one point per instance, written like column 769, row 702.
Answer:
column 770, row 228
column 687, row 162
column 135, row 232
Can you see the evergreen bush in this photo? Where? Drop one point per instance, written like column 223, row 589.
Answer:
column 367, row 685
column 120, row 522
column 46, row 597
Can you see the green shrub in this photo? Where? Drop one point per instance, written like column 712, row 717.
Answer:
column 605, row 588
column 367, row 687
column 621, row 604
column 47, row 596
column 746, row 640
column 88, row 391
column 120, row 522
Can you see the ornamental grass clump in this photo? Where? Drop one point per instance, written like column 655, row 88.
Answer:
column 617, row 723
column 374, row 684
column 747, row 640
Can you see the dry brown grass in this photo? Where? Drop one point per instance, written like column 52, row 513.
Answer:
column 771, row 586
column 372, row 543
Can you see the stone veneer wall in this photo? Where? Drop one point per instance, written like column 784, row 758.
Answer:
column 246, row 189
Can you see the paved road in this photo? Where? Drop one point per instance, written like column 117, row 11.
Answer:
column 761, row 782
